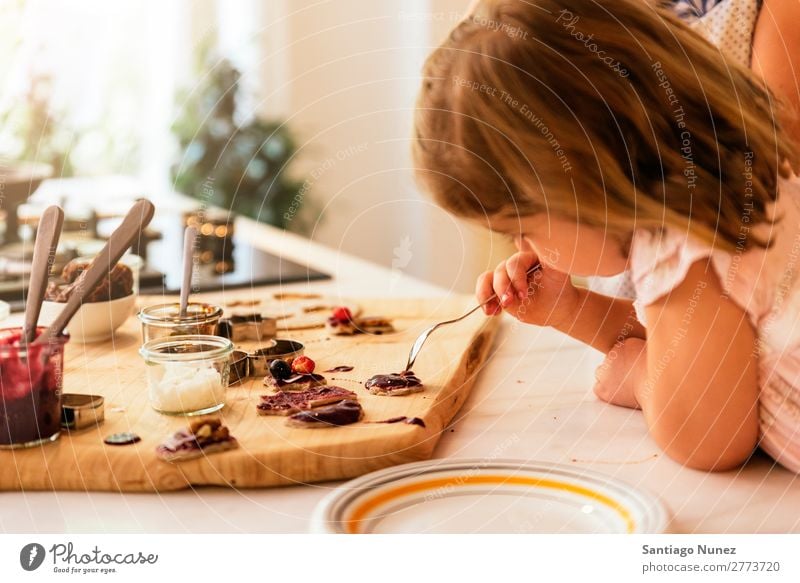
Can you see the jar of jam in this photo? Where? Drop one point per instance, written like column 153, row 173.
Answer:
column 30, row 389
column 165, row 320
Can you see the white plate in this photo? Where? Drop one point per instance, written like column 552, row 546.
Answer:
column 475, row 496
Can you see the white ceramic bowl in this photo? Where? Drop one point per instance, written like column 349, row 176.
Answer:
column 95, row 321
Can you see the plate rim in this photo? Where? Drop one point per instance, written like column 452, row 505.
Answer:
column 654, row 507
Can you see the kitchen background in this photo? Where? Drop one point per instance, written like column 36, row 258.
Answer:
column 297, row 113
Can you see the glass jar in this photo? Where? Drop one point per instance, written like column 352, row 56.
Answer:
column 31, row 378
column 187, row 375
column 164, row 320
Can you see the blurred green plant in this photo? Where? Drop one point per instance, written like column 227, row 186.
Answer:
column 237, row 165
column 33, row 133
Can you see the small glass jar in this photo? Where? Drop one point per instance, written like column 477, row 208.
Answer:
column 164, row 320
column 31, row 378
column 187, row 375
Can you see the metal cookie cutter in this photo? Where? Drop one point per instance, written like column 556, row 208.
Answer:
column 81, row 411
column 256, row 363
column 242, row 327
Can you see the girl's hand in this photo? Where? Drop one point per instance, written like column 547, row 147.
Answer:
column 545, row 298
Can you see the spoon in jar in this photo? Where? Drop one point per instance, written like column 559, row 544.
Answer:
column 120, row 240
column 44, row 250
column 412, row 356
column 189, row 238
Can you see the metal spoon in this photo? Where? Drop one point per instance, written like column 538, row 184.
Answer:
column 121, row 239
column 189, row 237
column 44, row 249
column 412, row 356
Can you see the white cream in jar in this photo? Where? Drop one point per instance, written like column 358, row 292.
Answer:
column 187, row 375
column 187, row 388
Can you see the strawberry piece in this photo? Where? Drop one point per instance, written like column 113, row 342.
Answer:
column 303, row 365
column 342, row 314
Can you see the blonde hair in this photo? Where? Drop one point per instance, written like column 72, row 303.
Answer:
column 532, row 107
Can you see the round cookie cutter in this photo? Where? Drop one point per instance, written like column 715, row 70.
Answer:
column 240, row 367
column 81, row 411
column 256, row 363
column 284, row 349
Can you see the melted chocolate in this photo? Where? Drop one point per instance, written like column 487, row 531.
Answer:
column 301, row 377
column 395, row 380
column 404, row 419
column 340, row 368
column 310, row 379
column 287, row 402
column 344, row 413
column 122, row 439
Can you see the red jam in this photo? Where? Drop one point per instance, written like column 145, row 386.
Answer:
column 30, row 389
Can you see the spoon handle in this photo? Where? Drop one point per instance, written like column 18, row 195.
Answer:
column 417, row 346
column 44, row 249
column 189, row 237
column 121, row 239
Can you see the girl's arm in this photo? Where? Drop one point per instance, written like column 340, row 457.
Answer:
column 548, row 298
column 776, row 55
column 700, row 393
column 601, row 321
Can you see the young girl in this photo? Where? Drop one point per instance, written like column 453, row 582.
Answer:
column 609, row 136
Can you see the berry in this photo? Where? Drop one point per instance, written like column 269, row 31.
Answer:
column 280, row 369
column 342, row 314
column 303, row 365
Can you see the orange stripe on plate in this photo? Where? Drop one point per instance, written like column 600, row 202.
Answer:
column 358, row 515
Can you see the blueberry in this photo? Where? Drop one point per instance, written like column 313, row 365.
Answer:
column 280, row 369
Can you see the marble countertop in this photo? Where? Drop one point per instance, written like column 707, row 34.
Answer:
column 533, row 401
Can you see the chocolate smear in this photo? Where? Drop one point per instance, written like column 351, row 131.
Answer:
column 403, row 419
column 401, row 383
column 340, row 368
column 343, row 413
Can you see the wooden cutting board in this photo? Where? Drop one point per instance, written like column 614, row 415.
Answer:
column 270, row 453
